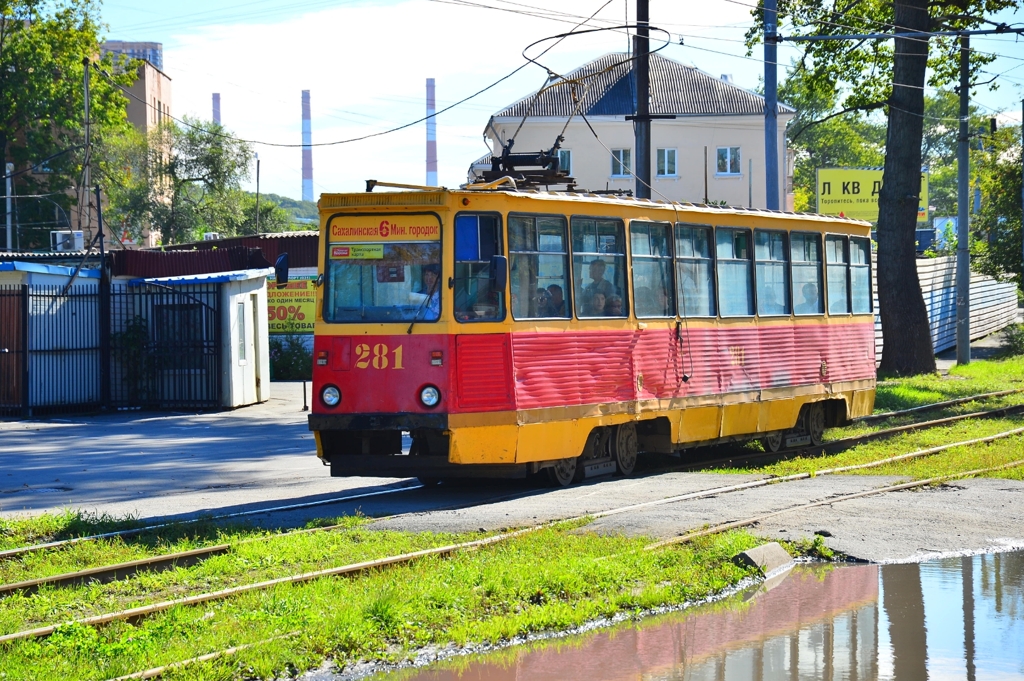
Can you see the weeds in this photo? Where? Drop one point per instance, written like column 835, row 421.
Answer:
column 1013, row 340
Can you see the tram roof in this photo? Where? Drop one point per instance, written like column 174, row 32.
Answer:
column 427, row 196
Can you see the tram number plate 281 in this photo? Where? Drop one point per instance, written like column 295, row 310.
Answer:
column 378, row 356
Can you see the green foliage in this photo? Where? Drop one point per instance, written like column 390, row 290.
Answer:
column 41, row 104
column 290, row 359
column 305, row 210
column 1013, row 339
column 998, row 226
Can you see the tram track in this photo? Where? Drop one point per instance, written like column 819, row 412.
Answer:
column 140, row 612
column 104, row 574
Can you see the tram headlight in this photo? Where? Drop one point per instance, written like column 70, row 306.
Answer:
column 430, row 396
column 331, row 396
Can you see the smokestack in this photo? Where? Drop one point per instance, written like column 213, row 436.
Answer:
column 307, row 150
column 431, row 136
column 216, row 108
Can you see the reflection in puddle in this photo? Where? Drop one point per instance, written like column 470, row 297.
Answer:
column 959, row 618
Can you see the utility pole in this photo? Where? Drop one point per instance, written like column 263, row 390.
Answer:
column 84, row 194
column 104, row 316
column 642, row 124
column 1021, row 192
column 9, row 171
column 963, row 256
column 771, row 105
column 257, row 194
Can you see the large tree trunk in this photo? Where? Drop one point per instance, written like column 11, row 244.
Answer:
column 907, row 344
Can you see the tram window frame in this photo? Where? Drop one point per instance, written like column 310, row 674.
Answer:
column 681, row 259
column 483, row 263
column 720, row 262
column 665, row 260
column 805, row 265
column 837, row 266
column 537, row 252
column 588, row 257
column 868, row 266
column 763, row 264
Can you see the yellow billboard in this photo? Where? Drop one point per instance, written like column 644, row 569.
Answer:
column 853, row 193
column 291, row 309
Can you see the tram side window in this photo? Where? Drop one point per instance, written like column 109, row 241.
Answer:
column 860, row 274
column 806, row 253
column 772, row 273
column 651, row 253
column 599, row 267
column 695, row 278
column 477, row 238
column 540, row 266
column 735, row 290
column 837, row 274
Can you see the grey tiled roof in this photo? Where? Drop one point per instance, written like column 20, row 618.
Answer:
column 675, row 89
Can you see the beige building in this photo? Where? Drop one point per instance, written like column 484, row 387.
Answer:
column 153, row 87
column 716, row 139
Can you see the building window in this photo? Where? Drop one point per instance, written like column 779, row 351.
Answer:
column 621, row 162
column 728, row 161
column 666, row 162
column 565, row 160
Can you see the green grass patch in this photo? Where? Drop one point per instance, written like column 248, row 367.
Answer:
column 956, row 460
column 985, row 376
column 552, row 579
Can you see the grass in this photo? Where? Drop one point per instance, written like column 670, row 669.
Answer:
column 552, row 579
column 976, row 378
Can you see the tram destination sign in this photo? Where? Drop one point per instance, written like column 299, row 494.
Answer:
column 384, row 228
column 853, row 193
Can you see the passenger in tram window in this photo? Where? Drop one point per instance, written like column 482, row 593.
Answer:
column 613, row 307
column 596, row 305
column 599, row 283
column 556, row 306
column 811, row 303
column 771, row 304
column 543, row 299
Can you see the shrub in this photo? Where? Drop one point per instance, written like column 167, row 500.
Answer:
column 290, row 359
column 1013, row 339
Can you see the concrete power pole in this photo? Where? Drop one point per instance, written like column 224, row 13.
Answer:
column 431, row 135
column 642, row 122
column 771, row 106
column 963, row 255
column 84, row 193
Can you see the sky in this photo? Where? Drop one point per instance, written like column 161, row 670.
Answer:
column 366, row 63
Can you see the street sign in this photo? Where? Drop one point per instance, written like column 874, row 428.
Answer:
column 853, row 193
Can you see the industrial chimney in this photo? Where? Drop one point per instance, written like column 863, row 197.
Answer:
column 216, row 108
column 307, row 150
column 431, row 136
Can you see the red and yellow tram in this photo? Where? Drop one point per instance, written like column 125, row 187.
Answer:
column 513, row 332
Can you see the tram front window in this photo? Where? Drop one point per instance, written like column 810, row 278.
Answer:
column 383, row 282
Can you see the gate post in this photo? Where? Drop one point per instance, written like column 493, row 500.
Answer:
column 105, row 321
column 26, row 411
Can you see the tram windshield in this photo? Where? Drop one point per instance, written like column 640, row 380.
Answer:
column 383, row 282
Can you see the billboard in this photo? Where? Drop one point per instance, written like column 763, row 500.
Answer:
column 853, row 193
column 292, row 309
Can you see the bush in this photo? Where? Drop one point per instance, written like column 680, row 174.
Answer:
column 290, row 359
column 1013, row 339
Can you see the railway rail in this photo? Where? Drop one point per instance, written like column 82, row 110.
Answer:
column 147, row 610
column 127, row 569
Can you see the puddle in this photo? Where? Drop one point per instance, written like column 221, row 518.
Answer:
column 954, row 618
column 37, row 490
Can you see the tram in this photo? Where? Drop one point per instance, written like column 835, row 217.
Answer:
column 514, row 332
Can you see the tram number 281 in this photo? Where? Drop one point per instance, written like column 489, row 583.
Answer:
column 378, row 356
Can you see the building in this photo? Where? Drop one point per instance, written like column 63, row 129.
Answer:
column 716, row 140
column 151, row 52
column 149, row 98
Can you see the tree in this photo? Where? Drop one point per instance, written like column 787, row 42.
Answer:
column 997, row 228
column 183, row 180
column 42, row 45
column 890, row 75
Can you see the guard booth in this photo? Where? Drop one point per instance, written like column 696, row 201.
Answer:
column 197, row 340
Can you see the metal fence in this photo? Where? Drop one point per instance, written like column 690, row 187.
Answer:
column 121, row 347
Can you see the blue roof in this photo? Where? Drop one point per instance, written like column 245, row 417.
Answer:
column 39, row 268
column 211, row 278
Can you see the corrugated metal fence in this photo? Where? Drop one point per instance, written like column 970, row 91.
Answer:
column 83, row 348
column 993, row 303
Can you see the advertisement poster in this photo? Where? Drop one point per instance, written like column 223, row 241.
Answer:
column 853, row 193
column 293, row 308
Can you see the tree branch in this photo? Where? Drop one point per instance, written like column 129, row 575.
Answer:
column 862, row 107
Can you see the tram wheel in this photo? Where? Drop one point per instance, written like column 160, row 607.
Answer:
column 626, row 447
column 772, row 442
column 563, row 473
column 816, row 423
